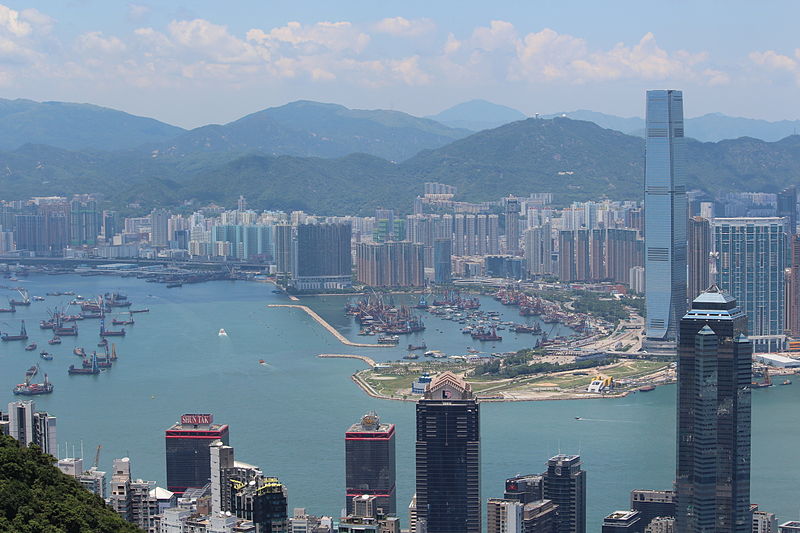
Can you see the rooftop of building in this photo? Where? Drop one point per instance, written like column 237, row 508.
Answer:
column 562, row 459
column 448, row 386
column 370, row 423
column 622, row 515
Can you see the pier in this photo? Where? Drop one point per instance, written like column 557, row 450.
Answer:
column 369, row 360
column 330, row 328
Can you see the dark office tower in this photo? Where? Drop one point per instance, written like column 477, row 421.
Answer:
column 448, row 457
column 665, row 216
column 565, row 485
column 787, row 207
column 623, row 522
column 653, row 503
column 370, row 463
column 322, row 257
column 512, row 225
column 84, row 220
column 698, row 254
column 524, row 489
column 442, row 261
column 714, row 376
column 188, row 455
column 262, row 500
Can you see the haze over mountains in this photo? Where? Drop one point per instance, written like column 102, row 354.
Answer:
column 305, row 155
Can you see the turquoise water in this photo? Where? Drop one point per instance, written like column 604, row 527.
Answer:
column 289, row 416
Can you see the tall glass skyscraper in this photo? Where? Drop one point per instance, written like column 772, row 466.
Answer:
column 714, row 377
column 751, row 256
column 665, row 214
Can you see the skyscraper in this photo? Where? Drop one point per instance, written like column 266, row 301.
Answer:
column 751, row 259
column 699, row 269
column 187, row 450
column 539, row 250
column 714, row 376
column 565, row 485
column 29, row 426
column 159, row 223
column 322, row 257
column 448, row 498
column 370, row 463
column 512, row 225
column 665, row 215
column 442, row 261
column 787, row 207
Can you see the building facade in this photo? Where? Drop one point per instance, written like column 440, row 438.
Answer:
column 751, row 257
column 448, row 498
column 322, row 257
column 714, row 379
column 187, row 450
column 565, row 485
column 665, row 215
column 370, row 463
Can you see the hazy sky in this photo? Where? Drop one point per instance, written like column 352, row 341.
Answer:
column 193, row 62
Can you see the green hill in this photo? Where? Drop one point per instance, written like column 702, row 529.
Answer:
column 575, row 160
column 35, row 497
column 76, row 126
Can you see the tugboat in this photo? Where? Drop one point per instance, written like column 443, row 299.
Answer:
column 32, row 389
column 23, row 335
column 79, row 352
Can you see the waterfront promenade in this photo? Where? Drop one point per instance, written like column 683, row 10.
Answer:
column 369, row 360
column 330, row 328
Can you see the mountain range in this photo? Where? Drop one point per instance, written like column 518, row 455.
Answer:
column 305, row 155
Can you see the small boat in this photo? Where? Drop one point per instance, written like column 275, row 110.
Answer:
column 139, row 310
column 411, row 356
column 11, row 309
column 103, row 343
column 38, row 298
column 54, row 340
column 174, row 285
column 79, row 352
column 647, row 388
column 32, row 371
column 222, row 333
column 47, row 356
column 31, row 347
column 388, row 339
column 578, row 418
column 262, row 362
column 786, row 382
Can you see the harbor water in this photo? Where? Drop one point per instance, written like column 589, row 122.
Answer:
column 289, row 415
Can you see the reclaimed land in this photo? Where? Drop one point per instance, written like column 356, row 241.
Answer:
column 330, row 328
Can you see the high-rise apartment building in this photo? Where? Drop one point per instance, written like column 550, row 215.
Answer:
column 512, row 225
column 792, row 297
column 159, row 223
column 504, row 516
column 132, row 498
column 698, row 256
column 84, row 220
column 390, row 264
column 565, row 485
column 263, row 501
column 448, row 495
column 714, row 376
column 751, row 256
column 665, row 215
column 539, row 250
column 29, row 426
column 187, row 450
column 370, row 463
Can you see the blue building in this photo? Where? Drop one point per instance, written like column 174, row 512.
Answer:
column 751, row 255
column 665, row 215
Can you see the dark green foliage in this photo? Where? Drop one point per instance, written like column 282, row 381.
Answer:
column 517, row 365
column 595, row 304
column 35, row 497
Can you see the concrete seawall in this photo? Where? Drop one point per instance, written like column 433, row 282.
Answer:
column 330, row 328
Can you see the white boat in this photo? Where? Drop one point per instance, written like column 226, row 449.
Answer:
column 222, row 333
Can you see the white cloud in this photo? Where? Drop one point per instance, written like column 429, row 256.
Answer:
column 138, row 12
column 403, row 27
column 10, row 23
column 94, row 42
column 499, row 34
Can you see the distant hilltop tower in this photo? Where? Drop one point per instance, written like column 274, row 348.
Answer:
column 665, row 217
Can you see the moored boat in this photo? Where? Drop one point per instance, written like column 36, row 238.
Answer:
column 32, row 389
column 31, row 347
column 47, row 356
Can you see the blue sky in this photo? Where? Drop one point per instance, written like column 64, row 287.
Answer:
column 197, row 62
